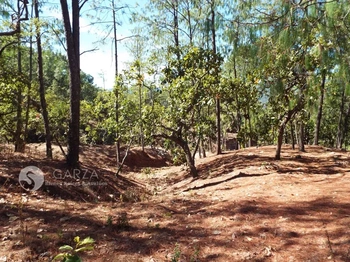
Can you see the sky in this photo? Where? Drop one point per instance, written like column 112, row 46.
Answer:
column 101, row 63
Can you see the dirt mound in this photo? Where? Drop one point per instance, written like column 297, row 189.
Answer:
column 150, row 157
column 96, row 179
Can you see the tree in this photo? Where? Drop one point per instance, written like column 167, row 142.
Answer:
column 217, row 99
column 42, row 85
column 181, row 121
column 72, row 34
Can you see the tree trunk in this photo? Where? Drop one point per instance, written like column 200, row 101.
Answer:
column 218, row 107
column 140, row 112
column 340, row 121
column 176, row 29
column 279, row 141
column 116, row 79
column 178, row 140
column 218, row 125
column 19, row 141
column 283, row 124
column 190, row 160
column 26, row 121
column 292, row 135
column 203, row 148
column 346, row 124
column 301, row 137
column 320, row 109
column 73, row 52
column 197, row 149
column 250, row 129
column 42, row 87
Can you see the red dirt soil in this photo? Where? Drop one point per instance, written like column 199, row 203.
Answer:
column 245, row 206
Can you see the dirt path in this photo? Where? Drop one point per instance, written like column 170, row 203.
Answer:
column 244, row 207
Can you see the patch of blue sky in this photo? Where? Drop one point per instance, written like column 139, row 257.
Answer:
column 96, row 39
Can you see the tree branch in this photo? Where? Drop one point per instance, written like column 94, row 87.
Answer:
column 7, row 45
column 87, row 51
column 82, row 4
column 19, row 18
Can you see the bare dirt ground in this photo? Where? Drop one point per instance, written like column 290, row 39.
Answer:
column 245, row 206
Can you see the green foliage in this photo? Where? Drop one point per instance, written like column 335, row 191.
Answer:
column 170, row 88
column 177, row 254
column 71, row 254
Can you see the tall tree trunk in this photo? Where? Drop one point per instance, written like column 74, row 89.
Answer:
column 250, row 129
column 73, row 51
column 301, row 137
column 176, row 29
column 26, row 121
column 340, row 121
column 320, row 108
column 346, row 124
column 292, row 134
column 238, row 116
column 19, row 141
column 42, row 87
column 140, row 112
column 116, row 79
column 217, row 105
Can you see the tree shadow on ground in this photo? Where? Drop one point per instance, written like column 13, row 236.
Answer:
column 181, row 223
column 88, row 183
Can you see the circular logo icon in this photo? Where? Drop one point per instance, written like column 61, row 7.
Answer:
column 31, row 178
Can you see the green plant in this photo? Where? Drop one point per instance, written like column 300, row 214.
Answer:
column 146, row 171
column 109, row 221
column 70, row 254
column 195, row 255
column 167, row 214
column 177, row 253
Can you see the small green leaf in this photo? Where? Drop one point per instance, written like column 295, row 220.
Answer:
column 59, row 256
column 77, row 239
column 86, row 248
column 86, row 241
column 66, row 248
